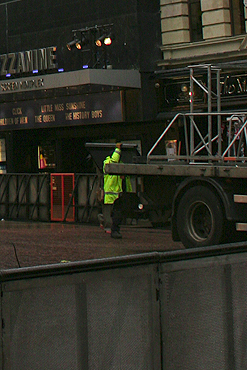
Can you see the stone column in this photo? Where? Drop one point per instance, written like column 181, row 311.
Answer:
column 245, row 15
column 216, row 19
column 174, row 21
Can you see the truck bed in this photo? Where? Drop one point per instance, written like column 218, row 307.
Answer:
column 174, row 168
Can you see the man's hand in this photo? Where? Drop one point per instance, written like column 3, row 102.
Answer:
column 119, row 145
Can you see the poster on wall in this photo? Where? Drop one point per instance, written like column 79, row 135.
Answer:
column 2, row 156
column 46, row 157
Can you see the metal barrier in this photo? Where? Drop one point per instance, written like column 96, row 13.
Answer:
column 174, row 310
column 24, row 197
column 31, row 197
column 85, row 193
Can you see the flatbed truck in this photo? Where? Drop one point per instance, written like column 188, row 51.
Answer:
column 199, row 178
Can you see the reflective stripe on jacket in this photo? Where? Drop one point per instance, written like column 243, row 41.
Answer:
column 113, row 183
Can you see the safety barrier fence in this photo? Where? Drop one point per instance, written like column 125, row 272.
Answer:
column 49, row 197
column 172, row 310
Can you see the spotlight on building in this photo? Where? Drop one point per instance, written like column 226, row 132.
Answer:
column 108, row 39
column 104, row 39
column 99, row 42
column 78, row 45
column 82, row 42
column 73, row 43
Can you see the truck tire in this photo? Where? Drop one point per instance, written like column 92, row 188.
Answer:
column 200, row 220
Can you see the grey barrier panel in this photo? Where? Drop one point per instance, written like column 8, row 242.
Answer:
column 40, row 326
column 176, row 310
column 238, row 276
column 203, row 313
column 99, row 320
column 123, row 321
column 193, row 316
column 24, row 197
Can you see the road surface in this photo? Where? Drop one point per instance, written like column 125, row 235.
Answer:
column 24, row 244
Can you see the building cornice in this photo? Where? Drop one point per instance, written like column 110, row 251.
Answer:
column 229, row 48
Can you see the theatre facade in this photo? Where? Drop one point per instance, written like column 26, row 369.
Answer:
column 59, row 90
column 53, row 115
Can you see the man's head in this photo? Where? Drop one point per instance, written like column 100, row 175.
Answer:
column 119, row 145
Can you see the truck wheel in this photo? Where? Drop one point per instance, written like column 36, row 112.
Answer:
column 200, row 219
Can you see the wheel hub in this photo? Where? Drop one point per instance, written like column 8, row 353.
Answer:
column 200, row 221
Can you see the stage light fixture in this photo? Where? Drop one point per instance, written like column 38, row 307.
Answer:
column 81, row 42
column 73, row 43
column 106, row 38
column 78, row 45
column 101, row 36
column 100, row 40
column 107, row 41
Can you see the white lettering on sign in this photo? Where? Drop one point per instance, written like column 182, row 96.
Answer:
column 97, row 114
column 46, row 108
column 28, row 61
column 234, row 85
column 81, row 115
column 59, row 107
column 76, row 105
column 22, row 85
column 17, row 111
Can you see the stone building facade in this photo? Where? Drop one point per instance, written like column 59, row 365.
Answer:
column 202, row 31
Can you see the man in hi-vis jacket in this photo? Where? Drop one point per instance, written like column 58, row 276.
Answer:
column 114, row 185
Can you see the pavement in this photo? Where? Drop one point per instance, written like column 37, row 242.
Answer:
column 26, row 244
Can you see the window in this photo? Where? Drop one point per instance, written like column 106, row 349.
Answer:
column 237, row 17
column 46, row 156
column 195, row 19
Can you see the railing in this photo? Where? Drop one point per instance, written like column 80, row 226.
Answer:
column 222, row 143
column 24, row 197
column 28, row 197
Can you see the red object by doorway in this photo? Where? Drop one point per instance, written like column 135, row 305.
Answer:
column 62, row 204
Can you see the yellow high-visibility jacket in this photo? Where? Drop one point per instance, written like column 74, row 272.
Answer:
column 113, row 183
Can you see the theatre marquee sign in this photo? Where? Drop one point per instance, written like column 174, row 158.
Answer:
column 62, row 111
column 28, row 61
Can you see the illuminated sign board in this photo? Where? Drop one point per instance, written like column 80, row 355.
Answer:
column 177, row 93
column 28, row 61
column 62, row 111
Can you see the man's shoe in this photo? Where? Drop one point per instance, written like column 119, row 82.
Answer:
column 107, row 230
column 116, row 235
